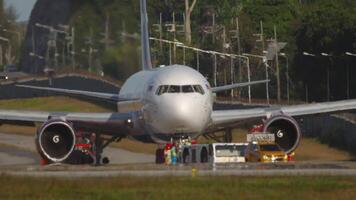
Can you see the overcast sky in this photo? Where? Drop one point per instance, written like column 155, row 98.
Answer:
column 23, row 7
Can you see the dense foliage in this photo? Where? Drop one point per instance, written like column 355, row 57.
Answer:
column 313, row 26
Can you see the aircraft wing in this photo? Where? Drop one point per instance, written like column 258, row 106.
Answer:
column 236, row 85
column 231, row 116
column 109, row 123
column 98, row 95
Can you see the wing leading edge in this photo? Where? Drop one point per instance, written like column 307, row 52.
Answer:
column 105, row 123
column 97, row 95
column 236, row 85
column 230, row 116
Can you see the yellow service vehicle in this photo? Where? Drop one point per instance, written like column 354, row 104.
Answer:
column 264, row 152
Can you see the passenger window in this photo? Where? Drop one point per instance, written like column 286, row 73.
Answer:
column 174, row 89
column 187, row 89
column 198, row 89
column 162, row 89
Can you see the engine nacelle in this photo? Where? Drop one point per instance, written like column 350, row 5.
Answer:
column 55, row 140
column 286, row 130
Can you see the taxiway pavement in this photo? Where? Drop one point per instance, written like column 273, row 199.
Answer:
column 20, row 149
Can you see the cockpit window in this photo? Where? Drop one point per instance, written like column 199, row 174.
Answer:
column 174, row 89
column 162, row 89
column 180, row 89
column 187, row 89
column 198, row 89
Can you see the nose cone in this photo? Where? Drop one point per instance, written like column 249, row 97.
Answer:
column 183, row 115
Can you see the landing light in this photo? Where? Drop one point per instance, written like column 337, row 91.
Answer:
column 129, row 123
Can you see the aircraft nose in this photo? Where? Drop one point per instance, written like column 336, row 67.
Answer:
column 185, row 115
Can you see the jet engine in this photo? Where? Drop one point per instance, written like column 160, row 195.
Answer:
column 55, row 140
column 286, row 130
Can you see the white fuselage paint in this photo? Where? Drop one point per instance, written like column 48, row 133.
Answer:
column 169, row 114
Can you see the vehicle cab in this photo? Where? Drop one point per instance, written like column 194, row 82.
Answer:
column 265, row 152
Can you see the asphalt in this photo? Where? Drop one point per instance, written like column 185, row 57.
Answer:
column 18, row 157
column 20, row 149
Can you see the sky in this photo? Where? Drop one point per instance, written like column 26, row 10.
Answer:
column 23, row 8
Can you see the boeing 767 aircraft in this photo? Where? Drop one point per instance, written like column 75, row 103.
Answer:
column 157, row 105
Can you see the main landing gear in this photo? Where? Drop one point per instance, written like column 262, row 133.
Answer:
column 89, row 149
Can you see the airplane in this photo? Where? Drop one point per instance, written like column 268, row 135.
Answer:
column 158, row 105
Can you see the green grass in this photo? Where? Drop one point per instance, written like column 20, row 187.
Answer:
column 179, row 188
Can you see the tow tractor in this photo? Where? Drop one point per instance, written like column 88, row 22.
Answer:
column 188, row 151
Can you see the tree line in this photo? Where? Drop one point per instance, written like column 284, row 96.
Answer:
column 313, row 26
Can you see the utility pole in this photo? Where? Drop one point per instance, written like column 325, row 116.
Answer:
column 277, row 66
column 262, row 40
column 34, row 47
column 65, row 47
column 198, row 62
column 287, row 74
column 8, row 52
column 159, row 29
column 72, row 44
column 224, row 47
column 214, row 24
column 18, row 34
column 348, row 81
column 1, row 57
column 327, row 76
column 183, row 55
column 348, row 74
column 215, row 69
column 262, row 37
column 174, row 38
column 106, row 40
column 172, row 29
column 237, row 36
column 264, row 60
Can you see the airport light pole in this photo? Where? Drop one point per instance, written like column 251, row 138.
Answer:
column 308, row 54
column 306, row 85
column 287, row 74
column 8, row 50
column 264, row 60
column 348, row 74
column 327, row 76
column 37, row 56
column 18, row 34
